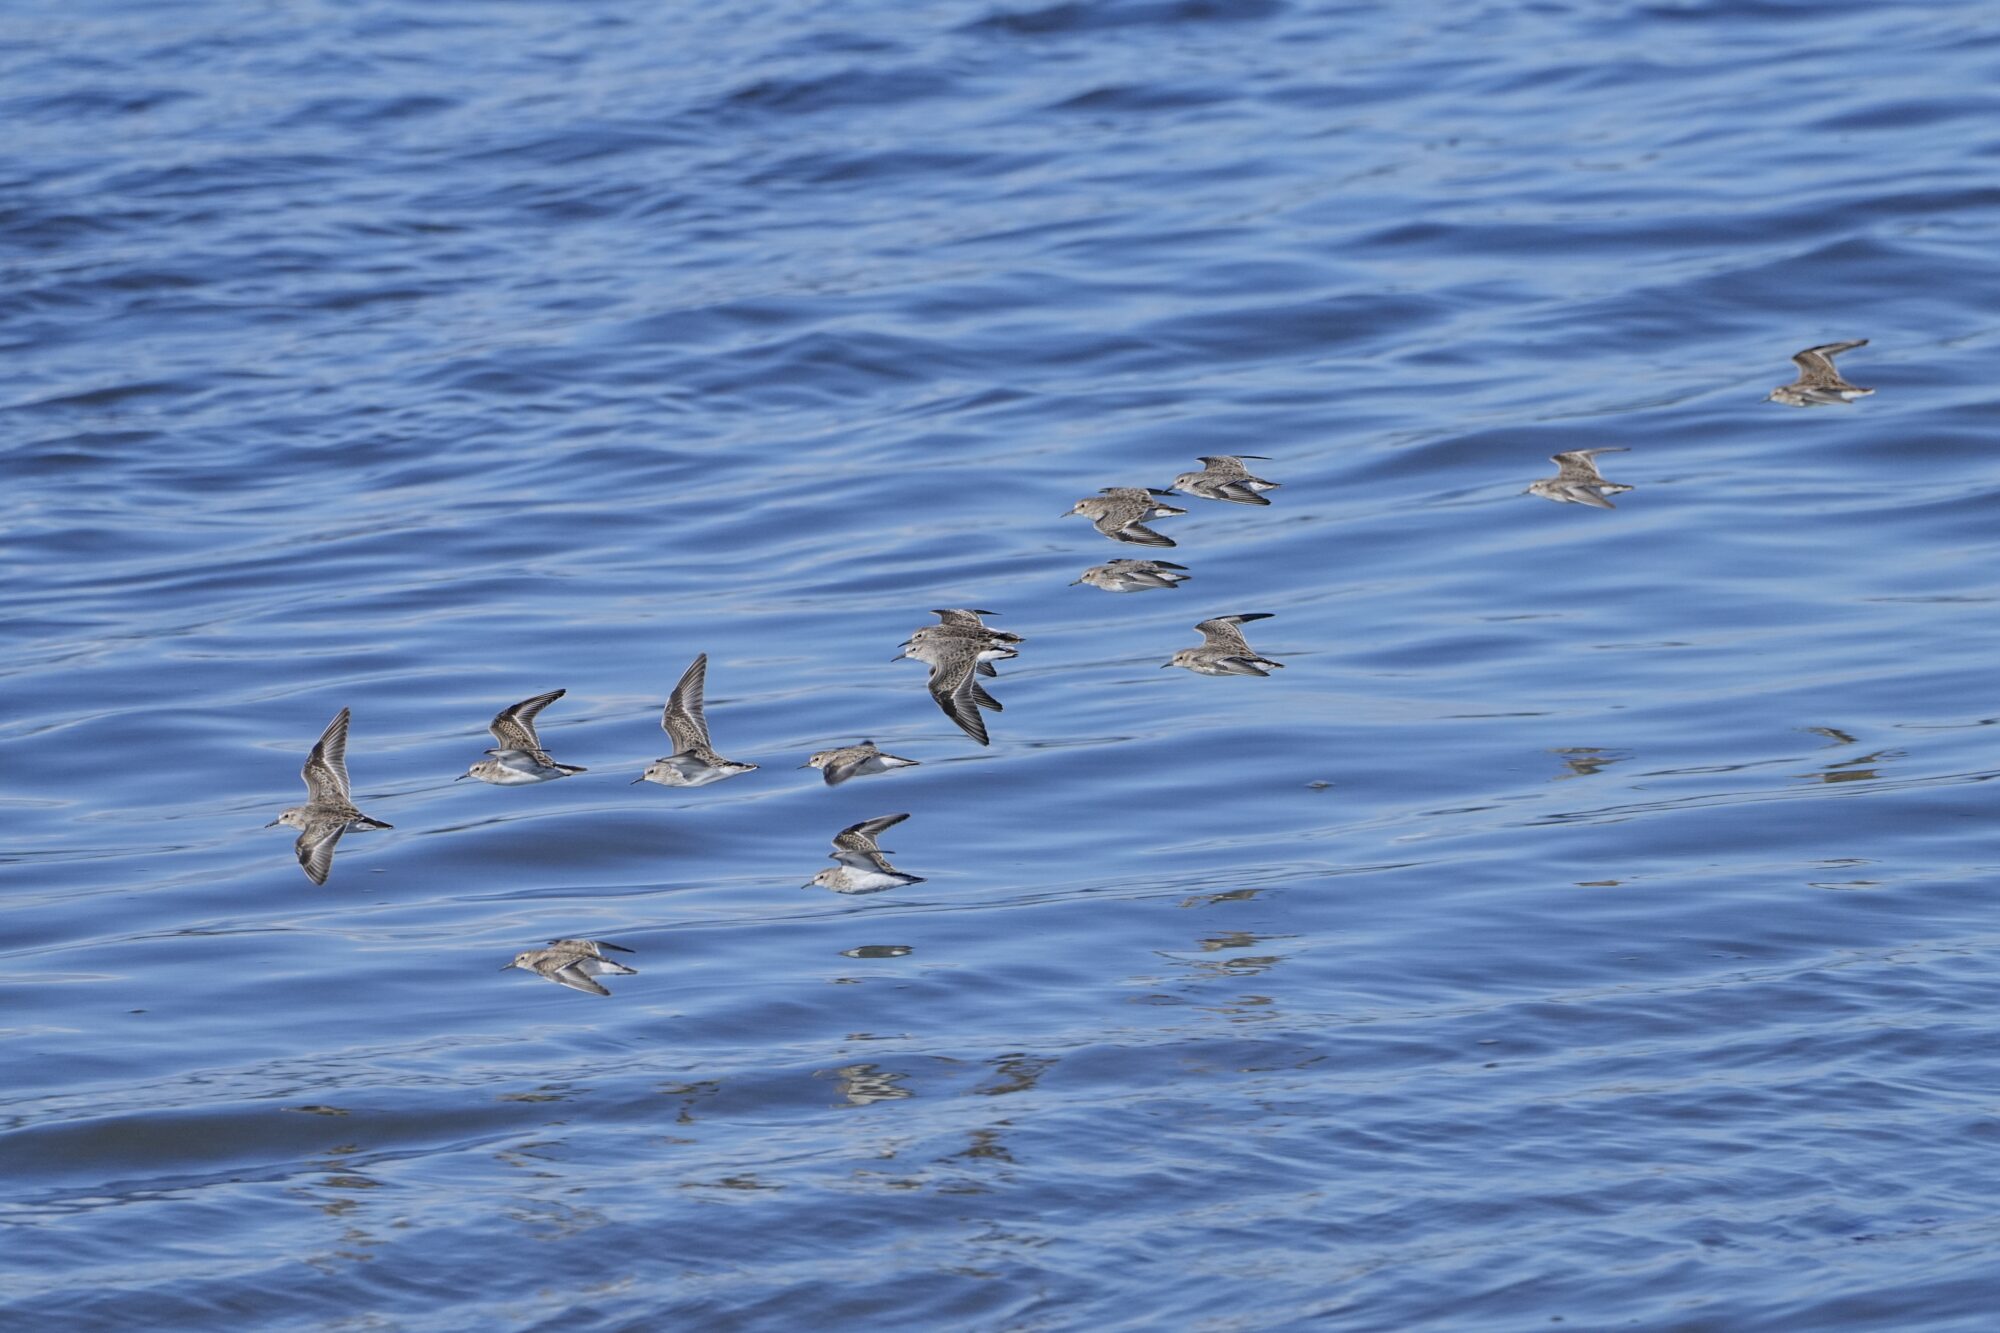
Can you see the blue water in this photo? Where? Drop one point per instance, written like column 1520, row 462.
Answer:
column 1591, row 923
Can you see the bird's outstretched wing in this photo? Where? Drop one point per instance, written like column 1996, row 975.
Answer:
column 685, row 719
column 514, row 727
column 1221, row 632
column 325, row 771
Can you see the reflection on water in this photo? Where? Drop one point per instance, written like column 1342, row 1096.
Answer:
column 690, row 1095
column 1226, row 896
column 1235, row 939
column 741, row 1183
column 1244, row 966
column 340, row 1194
column 546, row 1220
column 1863, row 768
column 986, row 1145
column 863, row 1085
column 1015, row 1073
column 1586, row 761
column 1234, row 964
column 1841, row 863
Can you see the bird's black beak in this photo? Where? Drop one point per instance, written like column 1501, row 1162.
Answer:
column 461, row 777
column 274, row 823
column 636, row 781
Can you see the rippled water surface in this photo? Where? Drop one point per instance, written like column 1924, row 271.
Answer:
column 1591, row 923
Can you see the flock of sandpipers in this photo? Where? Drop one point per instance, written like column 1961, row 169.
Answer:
column 960, row 649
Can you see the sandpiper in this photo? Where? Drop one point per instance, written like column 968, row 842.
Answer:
column 970, row 620
column 329, row 809
column 1819, row 384
column 1223, row 651
column 953, row 683
column 1134, row 575
column 863, row 868
column 1578, row 482
column 595, row 948
column 854, row 761
column 1118, row 510
column 1225, row 478
column 694, row 762
column 520, row 758
column 990, row 648
column 574, row 963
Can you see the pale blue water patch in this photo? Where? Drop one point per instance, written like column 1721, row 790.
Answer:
column 1589, row 923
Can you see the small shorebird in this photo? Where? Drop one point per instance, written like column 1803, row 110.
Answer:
column 595, row 948
column 1118, row 511
column 954, row 683
column 520, row 758
column 1223, row 651
column 1819, row 384
column 962, row 619
column 574, row 963
column 1578, row 482
column 854, row 761
column 969, row 622
column 1225, row 478
column 329, row 809
column 694, row 762
column 990, row 645
column 864, row 867
column 1134, row 575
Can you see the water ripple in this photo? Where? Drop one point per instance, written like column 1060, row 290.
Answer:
column 1587, row 924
